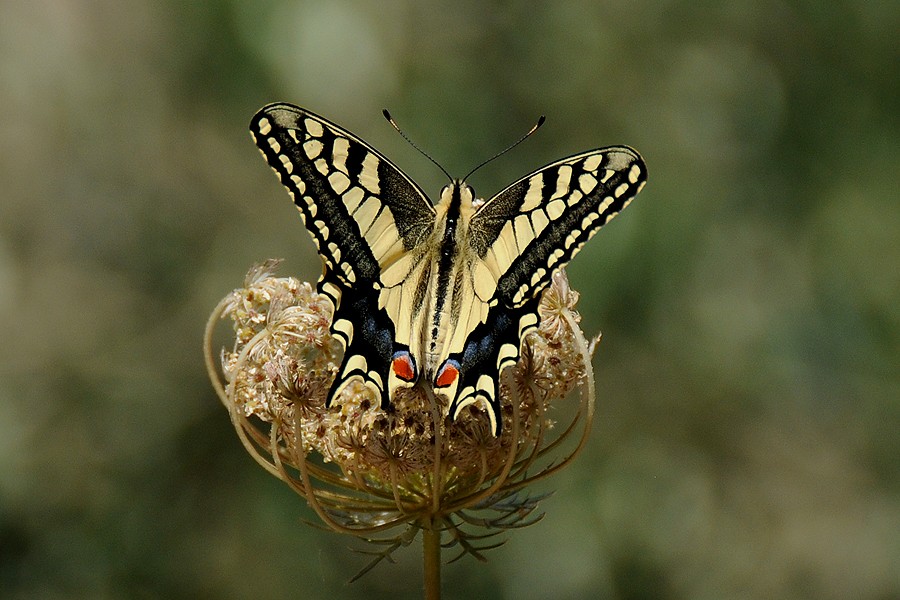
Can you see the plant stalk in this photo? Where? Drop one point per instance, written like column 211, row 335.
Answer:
column 431, row 551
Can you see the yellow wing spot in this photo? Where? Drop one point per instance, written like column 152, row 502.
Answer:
column 365, row 214
column 533, row 196
column 606, row 175
column 555, row 209
column 574, row 197
column 288, row 165
column 322, row 228
column 605, row 204
column 483, row 281
column 563, row 181
column 554, row 257
column 398, row 272
column 381, row 225
column 526, row 323
column 368, row 176
column 294, row 136
column 466, row 397
column 335, row 252
column 339, row 153
column 539, row 221
column 503, row 254
column 592, row 162
column 524, row 233
column 571, row 239
column 587, row 182
column 339, row 182
column 634, row 173
column 588, row 220
column 508, row 353
column 264, row 126
column 621, row 190
column 274, row 145
column 298, row 183
column 344, row 329
column 314, row 128
column 332, row 293
column 321, row 166
column 313, row 209
column 313, row 148
column 537, row 276
column 353, row 198
column 386, row 245
column 348, row 272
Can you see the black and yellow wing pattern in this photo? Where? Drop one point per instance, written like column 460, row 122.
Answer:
column 440, row 293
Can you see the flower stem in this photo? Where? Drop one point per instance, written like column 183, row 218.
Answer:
column 431, row 550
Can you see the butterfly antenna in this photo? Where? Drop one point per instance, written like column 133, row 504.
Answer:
column 393, row 123
column 540, row 122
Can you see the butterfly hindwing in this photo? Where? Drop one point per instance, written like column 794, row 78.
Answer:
column 363, row 214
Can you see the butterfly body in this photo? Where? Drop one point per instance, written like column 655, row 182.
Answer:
column 441, row 294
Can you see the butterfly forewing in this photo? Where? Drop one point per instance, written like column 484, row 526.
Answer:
column 539, row 223
column 523, row 234
column 363, row 213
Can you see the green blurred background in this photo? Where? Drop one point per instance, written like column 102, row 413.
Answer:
column 746, row 445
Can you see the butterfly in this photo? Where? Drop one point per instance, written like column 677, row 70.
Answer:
column 437, row 293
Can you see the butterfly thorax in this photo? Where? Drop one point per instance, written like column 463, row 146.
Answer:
column 447, row 293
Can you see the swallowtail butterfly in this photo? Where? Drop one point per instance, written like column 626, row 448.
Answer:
column 442, row 293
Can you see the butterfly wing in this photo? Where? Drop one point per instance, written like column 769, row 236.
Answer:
column 364, row 215
column 521, row 236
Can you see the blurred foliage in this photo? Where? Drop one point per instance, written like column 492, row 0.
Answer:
column 747, row 440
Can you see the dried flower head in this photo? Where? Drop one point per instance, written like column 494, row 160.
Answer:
column 367, row 471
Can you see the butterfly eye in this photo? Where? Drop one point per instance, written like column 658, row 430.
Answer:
column 471, row 191
column 445, row 190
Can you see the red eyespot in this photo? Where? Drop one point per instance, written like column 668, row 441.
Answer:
column 403, row 366
column 448, row 374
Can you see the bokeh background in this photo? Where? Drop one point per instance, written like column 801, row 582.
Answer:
column 746, row 442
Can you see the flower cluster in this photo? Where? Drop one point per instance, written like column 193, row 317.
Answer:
column 365, row 470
